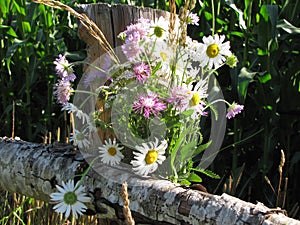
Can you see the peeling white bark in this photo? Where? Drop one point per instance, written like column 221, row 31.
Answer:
column 34, row 169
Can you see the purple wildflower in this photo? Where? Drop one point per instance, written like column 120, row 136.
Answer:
column 133, row 34
column 131, row 50
column 233, row 110
column 193, row 19
column 148, row 104
column 63, row 91
column 138, row 31
column 64, row 69
column 141, row 71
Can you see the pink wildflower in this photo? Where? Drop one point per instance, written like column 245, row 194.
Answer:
column 233, row 110
column 148, row 104
column 141, row 71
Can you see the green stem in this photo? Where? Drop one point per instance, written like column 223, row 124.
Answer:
column 213, row 17
column 236, row 139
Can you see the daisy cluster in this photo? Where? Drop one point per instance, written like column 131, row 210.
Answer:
column 174, row 76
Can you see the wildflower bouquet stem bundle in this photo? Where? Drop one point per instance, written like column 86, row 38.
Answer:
column 157, row 93
column 157, row 88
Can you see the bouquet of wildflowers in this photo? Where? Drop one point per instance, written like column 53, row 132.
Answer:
column 147, row 106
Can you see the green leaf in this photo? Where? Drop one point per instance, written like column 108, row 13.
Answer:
column 194, row 178
column 187, row 113
column 19, row 8
column 264, row 12
column 208, row 173
column 185, row 182
column 201, row 148
column 208, row 16
column 26, row 26
column 10, row 31
column 236, row 33
column 187, row 151
column 3, row 7
column 244, row 78
column 12, row 49
column 264, row 78
column 288, row 27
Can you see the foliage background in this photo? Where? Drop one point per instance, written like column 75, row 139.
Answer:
column 264, row 35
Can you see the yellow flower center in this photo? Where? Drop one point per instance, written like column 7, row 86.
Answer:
column 112, row 151
column 163, row 55
column 151, row 156
column 212, row 50
column 195, row 99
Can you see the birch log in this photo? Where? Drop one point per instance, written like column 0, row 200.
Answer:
column 34, row 169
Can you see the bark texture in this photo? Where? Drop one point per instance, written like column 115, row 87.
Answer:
column 34, row 169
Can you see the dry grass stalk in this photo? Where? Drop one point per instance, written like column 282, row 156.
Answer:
column 90, row 26
column 281, row 164
column 270, row 184
column 183, row 14
column 126, row 210
column 172, row 20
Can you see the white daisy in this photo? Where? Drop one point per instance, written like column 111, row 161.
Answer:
column 110, row 152
column 70, row 198
column 69, row 107
column 79, row 138
column 148, row 157
column 197, row 93
column 215, row 51
column 159, row 28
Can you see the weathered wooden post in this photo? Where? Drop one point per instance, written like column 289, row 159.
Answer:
column 112, row 20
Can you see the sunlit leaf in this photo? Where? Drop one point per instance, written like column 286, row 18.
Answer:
column 207, row 173
column 194, row 178
column 240, row 15
column 264, row 78
column 10, row 31
column 288, row 27
column 201, row 148
column 20, row 9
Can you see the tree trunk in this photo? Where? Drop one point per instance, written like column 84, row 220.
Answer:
column 34, row 170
